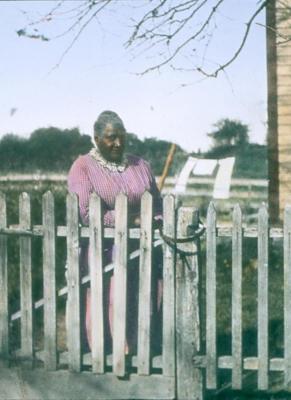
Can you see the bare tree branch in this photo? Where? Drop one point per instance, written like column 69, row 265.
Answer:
column 285, row 38
column 186, row 42
column 243, row 41
column 183, row 27
column 83, row 27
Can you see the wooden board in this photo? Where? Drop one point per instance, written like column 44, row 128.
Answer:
column 145, row 284
column 120, row 285
column 169, row 271
column 211, row 349
column 263, row 315
column 26, row 279
column 73, row 306
column 237, row 298
column 96, row 275
column 189, row 378
column 49, row 282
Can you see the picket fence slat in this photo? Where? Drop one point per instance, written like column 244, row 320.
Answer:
column 26, row 279
column 49, row 282
column 145, row 284
column 237, row 298
column 263, row 338
column 74, row 295
column 169, row 229
column 120, row 285
column 96, row 274
column 4, row 318
column 211, row 350
column 287, row 296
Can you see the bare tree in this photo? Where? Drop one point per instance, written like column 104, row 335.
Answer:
column 178, row 33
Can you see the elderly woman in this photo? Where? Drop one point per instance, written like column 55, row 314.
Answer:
column 107, row 171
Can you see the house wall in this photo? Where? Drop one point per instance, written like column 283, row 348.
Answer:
column 278, row 22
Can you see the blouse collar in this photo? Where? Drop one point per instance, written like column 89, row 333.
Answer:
column 111, row 166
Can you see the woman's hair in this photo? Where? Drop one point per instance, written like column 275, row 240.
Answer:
column 107, row 117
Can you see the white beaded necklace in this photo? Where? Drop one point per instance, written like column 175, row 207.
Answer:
column 112, row 166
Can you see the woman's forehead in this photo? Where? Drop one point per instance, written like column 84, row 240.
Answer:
column 113, row 129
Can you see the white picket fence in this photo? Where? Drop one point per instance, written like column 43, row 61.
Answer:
column 156, row 374
column 261, row 361
column 178, row 371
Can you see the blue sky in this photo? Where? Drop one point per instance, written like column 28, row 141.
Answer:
column 98, row 74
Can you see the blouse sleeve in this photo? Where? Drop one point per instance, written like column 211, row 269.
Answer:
column 109, row 218
column 79, row 183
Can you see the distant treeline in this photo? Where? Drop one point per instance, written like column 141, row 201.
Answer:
column 53, row 149
column 251, row 160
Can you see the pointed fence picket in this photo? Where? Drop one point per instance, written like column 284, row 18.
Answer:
column 145, row 284
column 26, row 279
column 237, row 298
column 96, row 286
column 169, row 273
column 49, row 282
column 263, row 337
column 211, row 350
column 120, row 285
column 74, row 295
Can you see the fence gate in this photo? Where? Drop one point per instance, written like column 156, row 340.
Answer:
column 34, row 365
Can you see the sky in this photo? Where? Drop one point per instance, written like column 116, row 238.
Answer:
column 98, row 73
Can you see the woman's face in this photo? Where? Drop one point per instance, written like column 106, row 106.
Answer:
column 111, row 145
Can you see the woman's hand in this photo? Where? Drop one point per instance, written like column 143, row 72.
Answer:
column 136, row 222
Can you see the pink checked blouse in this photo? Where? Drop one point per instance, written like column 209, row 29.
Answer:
column 87, row 175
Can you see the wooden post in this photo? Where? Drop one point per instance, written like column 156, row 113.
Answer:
column 189, row 378
column 168, row 163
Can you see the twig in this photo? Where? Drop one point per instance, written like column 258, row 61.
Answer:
column 244, row 39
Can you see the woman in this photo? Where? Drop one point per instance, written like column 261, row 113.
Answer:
column 107, row 171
